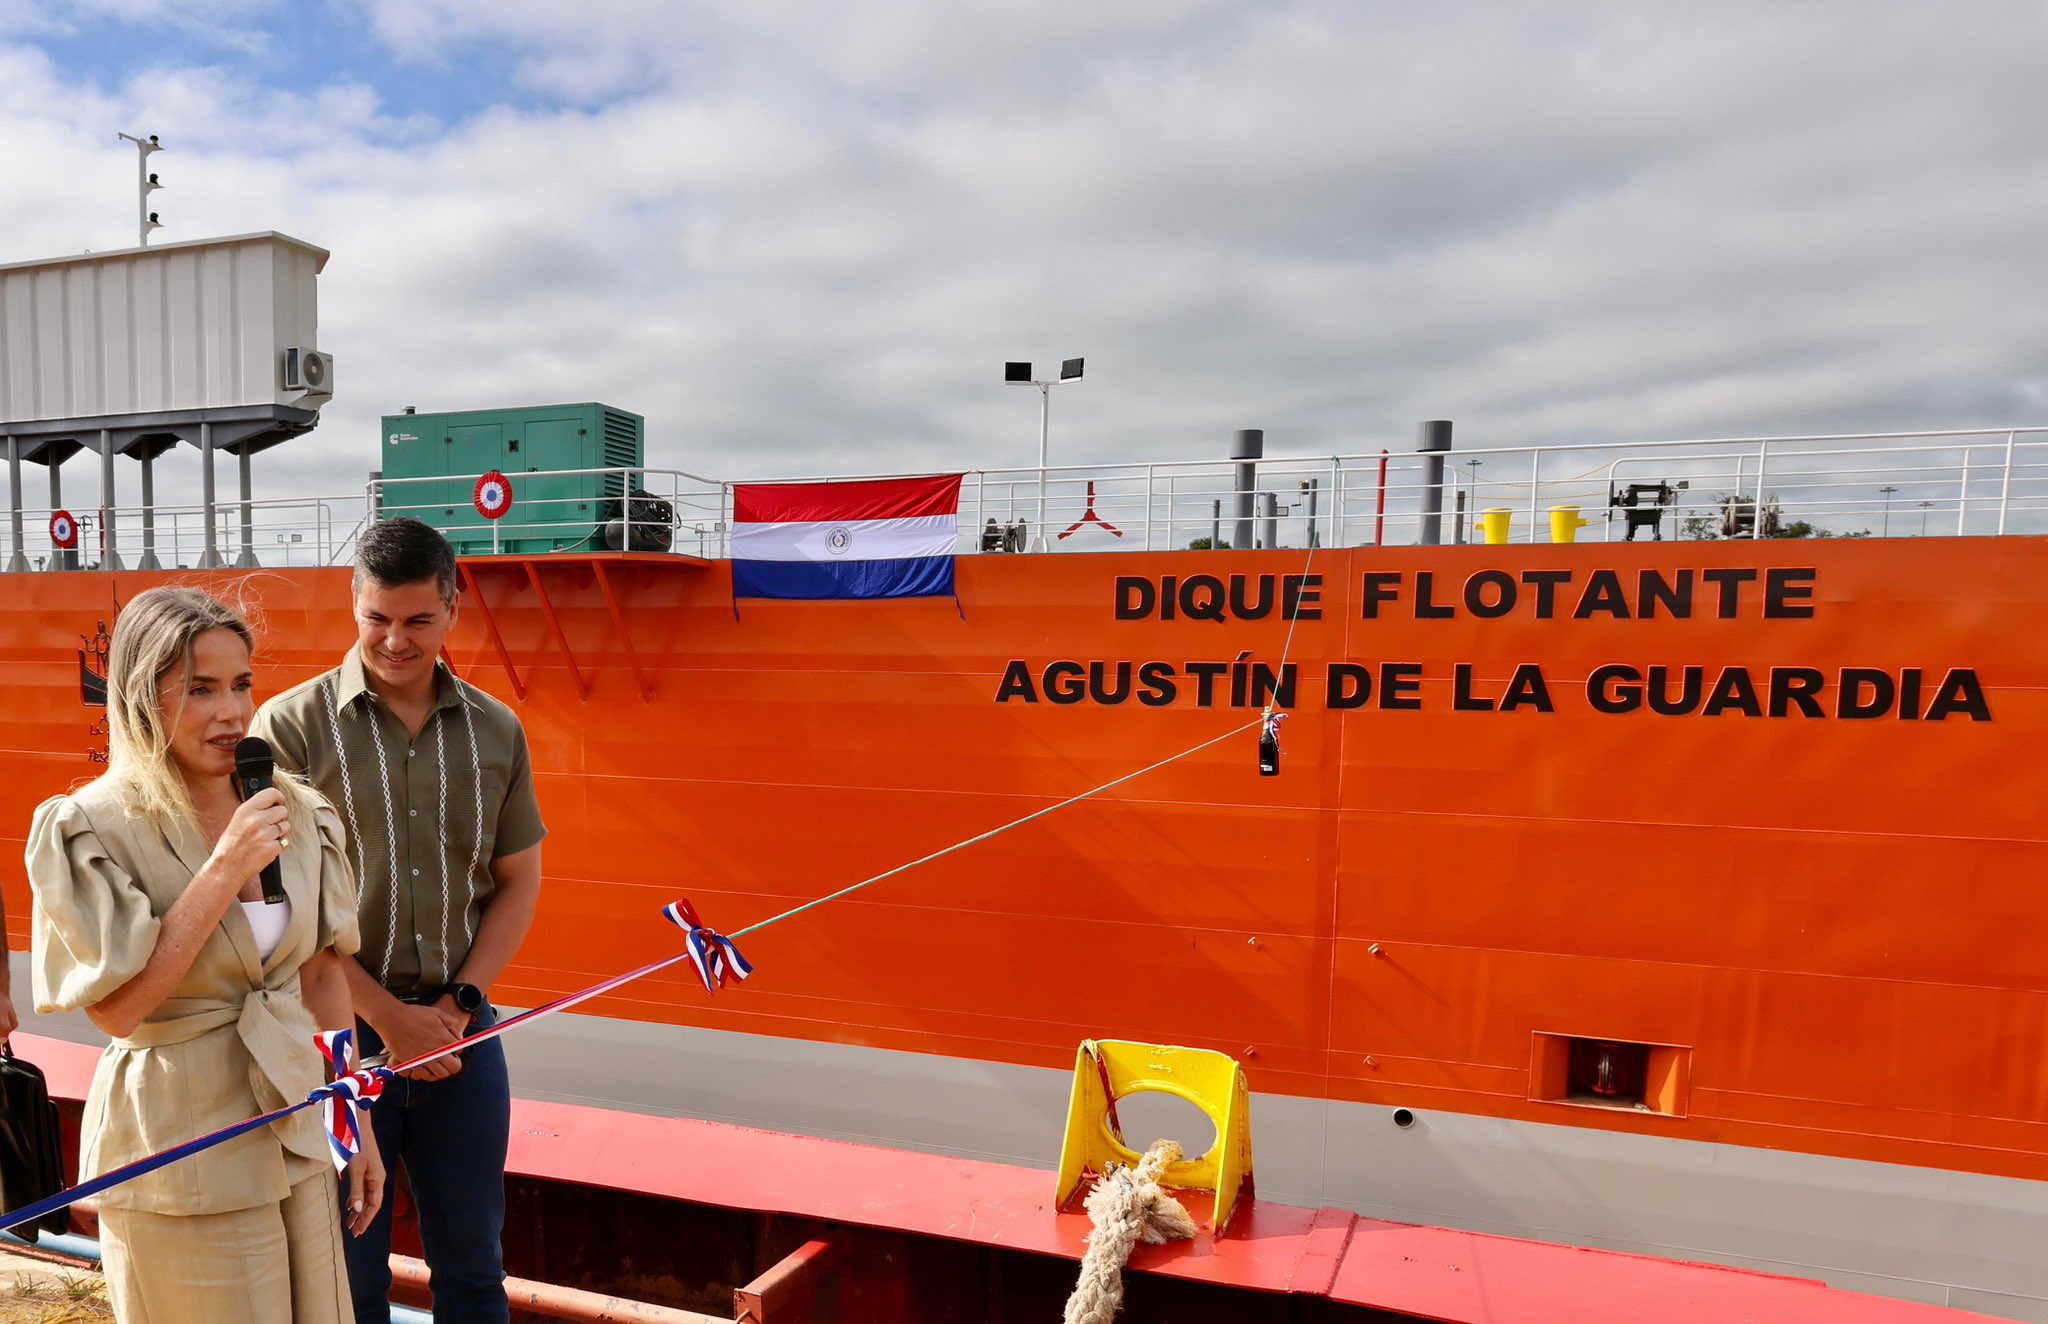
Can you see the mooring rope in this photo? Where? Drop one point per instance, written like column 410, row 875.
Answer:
column 1128, row 1206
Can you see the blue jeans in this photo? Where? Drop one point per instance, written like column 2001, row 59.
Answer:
column 450, row 1135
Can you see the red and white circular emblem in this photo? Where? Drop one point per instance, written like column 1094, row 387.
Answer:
column 64, row 530
column 493, row 495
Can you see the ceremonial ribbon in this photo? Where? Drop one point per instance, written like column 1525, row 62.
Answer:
column 359, row 1084
column 715, row 956
column 350, row 1091
column 723, row 944
column 717, row 960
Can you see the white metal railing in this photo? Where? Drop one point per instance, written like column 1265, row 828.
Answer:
column 1979, row 481
column 1975, row 481
column 297, row 531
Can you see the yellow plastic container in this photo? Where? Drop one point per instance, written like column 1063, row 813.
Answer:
column 1493, row 523
column 1565, row 524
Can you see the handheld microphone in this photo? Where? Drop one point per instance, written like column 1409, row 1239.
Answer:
column 253, row 768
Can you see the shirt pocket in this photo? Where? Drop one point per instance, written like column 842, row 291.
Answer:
column 474, row 798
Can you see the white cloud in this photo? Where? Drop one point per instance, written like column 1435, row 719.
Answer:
column 802, row 238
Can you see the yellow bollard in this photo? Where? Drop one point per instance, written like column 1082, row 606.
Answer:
column 1106, row 1070
column 1493, row 523
column 1565, row 524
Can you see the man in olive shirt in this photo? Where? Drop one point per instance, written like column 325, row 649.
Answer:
column 431, row 776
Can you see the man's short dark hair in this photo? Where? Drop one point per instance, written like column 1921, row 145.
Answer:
column 400, row 551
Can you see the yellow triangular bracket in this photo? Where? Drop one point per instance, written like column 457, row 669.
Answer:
column 1107, row 1070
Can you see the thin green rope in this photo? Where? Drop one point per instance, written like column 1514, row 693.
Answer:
column 996, row 831
column 958, row 846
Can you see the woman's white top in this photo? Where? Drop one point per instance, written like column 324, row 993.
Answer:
column 269, row 923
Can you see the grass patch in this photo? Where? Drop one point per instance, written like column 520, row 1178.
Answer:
column 61, row 1298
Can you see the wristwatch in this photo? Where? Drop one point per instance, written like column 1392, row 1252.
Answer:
column 469, row 999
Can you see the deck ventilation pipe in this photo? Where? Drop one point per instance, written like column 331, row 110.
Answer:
column 1245, row 448
column 1434, row 441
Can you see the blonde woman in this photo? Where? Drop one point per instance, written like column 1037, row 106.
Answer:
column 148, row 915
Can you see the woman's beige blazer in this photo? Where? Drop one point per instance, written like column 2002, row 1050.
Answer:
column 232, row 1041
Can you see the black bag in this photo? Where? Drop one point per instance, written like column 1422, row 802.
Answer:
column 31, row 1153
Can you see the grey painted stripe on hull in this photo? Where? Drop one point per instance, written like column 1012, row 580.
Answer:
column 1947, row 1238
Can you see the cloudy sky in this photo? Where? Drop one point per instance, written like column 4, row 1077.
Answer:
column 804, row 237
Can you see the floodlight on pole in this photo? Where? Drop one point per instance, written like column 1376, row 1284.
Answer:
column 1886, row 530
column 145, row 184
column 1019, row 374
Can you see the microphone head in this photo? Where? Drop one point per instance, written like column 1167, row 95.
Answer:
column 253, row 755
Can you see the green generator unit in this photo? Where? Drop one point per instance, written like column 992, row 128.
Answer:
column 552, row 455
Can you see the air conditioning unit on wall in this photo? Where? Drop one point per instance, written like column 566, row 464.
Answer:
column 309, row 370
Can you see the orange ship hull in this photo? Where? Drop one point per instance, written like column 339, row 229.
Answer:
column 1751, row 820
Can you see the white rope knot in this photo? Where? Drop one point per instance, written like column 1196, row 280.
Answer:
column 1128, row 1207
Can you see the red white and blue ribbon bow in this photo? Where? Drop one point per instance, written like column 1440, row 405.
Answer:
column 719, row 963
column 343, row 1098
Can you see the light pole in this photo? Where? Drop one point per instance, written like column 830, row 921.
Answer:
column 1019, row 374
column 1925, row 506
column 1885, row 530
column 145, row 184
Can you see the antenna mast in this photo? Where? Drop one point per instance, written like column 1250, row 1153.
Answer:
column 145, row 184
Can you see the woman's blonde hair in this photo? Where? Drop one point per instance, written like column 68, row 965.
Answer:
column 153, row 637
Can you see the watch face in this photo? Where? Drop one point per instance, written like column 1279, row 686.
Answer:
column 468, row 997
